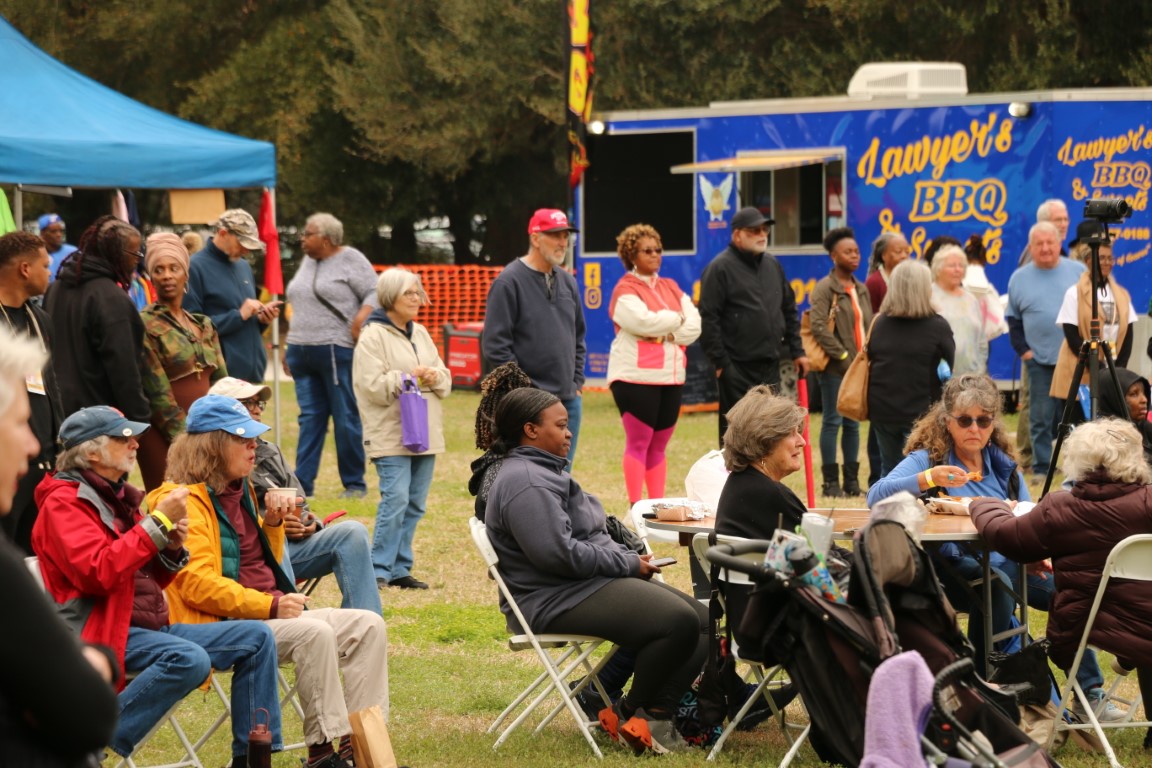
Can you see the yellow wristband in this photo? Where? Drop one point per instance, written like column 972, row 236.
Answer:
column 928, row 478
column 164, row 521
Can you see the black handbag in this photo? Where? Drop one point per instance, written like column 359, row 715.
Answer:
column 621, row 534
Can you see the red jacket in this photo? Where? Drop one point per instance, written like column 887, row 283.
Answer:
column 89, row 567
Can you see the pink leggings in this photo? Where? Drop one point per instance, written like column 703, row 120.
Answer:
column 649, row 414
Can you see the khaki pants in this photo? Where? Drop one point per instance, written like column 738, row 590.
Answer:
column 321, row 644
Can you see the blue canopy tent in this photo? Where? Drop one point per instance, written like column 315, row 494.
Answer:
column 61, row 128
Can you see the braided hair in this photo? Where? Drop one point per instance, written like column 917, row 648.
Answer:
column 104, row 240
column 517, row 408
column 499, row 382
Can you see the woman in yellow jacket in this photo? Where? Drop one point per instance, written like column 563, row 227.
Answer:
column 393, row 347
column 233, row 573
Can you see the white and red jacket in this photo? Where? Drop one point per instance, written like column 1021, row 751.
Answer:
column 645, row 312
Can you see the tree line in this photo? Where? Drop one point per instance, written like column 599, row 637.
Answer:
column 387, row 112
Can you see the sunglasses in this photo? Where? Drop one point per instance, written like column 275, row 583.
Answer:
column 651, row 251
column 966, row 421
column 253, row 402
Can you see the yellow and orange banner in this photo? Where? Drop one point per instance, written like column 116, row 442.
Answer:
column 580, row 72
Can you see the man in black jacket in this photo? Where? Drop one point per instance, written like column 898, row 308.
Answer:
column 24, row 274
column 748, row 311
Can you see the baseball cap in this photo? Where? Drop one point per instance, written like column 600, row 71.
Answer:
column 549, row 220
column 240, row 223
column 227, row 414
column 230, row 386
column 1086, row 229
column 750, row 217
column 49, row 219
column 89, row 423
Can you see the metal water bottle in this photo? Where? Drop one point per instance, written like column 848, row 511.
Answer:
column 260, row 741
column 807, row 568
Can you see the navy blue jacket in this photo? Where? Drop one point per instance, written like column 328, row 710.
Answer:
column 217, row 286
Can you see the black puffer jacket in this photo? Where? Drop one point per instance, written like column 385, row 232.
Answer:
column 1078, row 529
column 98, row 339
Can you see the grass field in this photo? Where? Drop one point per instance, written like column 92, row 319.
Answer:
column 451, row 671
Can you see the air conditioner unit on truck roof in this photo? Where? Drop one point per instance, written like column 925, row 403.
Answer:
column 911, row 79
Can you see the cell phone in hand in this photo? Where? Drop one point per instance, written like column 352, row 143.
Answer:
column 660, row 562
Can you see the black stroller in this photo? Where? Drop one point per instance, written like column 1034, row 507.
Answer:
column 830, row 650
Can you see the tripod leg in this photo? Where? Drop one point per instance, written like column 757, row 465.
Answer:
column 1065, row 426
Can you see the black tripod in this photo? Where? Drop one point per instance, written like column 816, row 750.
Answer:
column 1091, row 350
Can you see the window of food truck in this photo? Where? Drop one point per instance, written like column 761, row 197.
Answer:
column 803, row 188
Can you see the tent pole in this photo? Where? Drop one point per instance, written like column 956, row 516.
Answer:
column 275, row 349
column 18, row 207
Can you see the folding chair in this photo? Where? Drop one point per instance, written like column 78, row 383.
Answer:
column 1130, row 559
column 563, row 657
column 641, row 529
column 189, row 756
column 766, row 678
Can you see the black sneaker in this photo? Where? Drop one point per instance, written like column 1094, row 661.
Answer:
column 760, row 712
column 408, row 582
column 331, row 761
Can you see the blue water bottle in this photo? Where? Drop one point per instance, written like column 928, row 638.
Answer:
column 807, row 568
column 944, row 371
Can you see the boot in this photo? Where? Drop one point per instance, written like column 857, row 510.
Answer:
column 851, row 479
column 831, row 485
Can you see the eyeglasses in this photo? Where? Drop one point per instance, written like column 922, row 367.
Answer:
column 253, row 402
column 247, row 441
column 123, row 440
column 306, row 233
column 650, row 251
column 762, row 229
column 138, row 254
column 966, row 421
column 413, row 294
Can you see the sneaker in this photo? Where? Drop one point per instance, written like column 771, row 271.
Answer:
column 781, row 697
column 407, row 582
column 646, row 734
column 1105, row 710
column 331, row 761
column 588, row 701
column 354, row 493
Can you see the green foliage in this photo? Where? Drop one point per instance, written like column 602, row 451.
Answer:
column 387, row 112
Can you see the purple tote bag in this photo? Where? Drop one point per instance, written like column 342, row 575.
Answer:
column 413, row 415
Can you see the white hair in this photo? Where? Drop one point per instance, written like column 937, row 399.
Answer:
column 393, row 282
column 20, row 357
column 327, row 226
column 1044, row 212
column 942, row 256
column 80, row 456
column 1112, row 446
column 1043, row 226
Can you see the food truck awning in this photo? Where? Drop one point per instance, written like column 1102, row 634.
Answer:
column 761, row 161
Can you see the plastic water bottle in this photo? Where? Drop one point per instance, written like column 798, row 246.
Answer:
column 944, row 371
column 807, row 568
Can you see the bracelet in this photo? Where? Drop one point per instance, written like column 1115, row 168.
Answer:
column 162, row 518
column 928, row 478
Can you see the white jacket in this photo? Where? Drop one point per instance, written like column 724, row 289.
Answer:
column 382, row 354
column 633, row 357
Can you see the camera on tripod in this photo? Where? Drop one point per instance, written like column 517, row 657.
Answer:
column 1109, row 210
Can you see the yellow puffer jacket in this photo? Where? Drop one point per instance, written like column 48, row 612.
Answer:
column 201, row 593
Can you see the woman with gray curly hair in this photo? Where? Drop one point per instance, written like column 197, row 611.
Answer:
column 1110, row 500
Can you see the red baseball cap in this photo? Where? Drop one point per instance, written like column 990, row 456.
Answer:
column 549, row 220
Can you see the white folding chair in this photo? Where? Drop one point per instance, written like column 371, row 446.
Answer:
column 766, row 678
column 563, row 657
column 641, row 529
column 1130, row 559
column 636, row 517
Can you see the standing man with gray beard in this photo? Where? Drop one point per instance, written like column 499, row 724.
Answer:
column 748, row 313
column 535, row 318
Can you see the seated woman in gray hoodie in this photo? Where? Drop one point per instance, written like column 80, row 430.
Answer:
column 1133, row 407
column 569, row 576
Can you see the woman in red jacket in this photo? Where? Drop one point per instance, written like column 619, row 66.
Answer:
column 1109, row 501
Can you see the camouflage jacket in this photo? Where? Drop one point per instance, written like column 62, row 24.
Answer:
column 171, row 352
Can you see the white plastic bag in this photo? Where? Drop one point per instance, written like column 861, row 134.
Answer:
column 705, row 480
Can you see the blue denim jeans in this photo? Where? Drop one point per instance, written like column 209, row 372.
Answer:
column 890, row 438
column 323, row 376
column 172, row 662
column 832, row 423
column 404, row 483
column 344, row 550
column 575, row 408
column 1042, row 414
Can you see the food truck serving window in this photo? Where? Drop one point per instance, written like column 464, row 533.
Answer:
column 628, row 182
column 802, row 189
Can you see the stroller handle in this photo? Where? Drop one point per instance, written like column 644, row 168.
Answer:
column 728, row 555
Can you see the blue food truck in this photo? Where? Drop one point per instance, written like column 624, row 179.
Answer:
column 924, row 165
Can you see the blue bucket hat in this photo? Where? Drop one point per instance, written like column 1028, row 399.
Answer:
column 89, row 423
column 48, row 220
column 227, row 414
